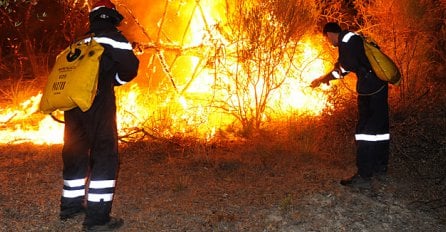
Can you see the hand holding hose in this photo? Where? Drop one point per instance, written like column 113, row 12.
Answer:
column 323, row 79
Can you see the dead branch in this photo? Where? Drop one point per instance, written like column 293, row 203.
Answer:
column 9, row 119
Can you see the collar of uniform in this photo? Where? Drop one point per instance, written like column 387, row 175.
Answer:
column 347, row 36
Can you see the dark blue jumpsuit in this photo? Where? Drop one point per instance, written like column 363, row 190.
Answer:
column 372, row 130
column 90, row 151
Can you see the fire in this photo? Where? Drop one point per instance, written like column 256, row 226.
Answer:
column 24, row 125
column 189, row 108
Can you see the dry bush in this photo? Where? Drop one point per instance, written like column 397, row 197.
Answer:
column 15, row 92
column 263, row 35
column 33, row 33
column 332, row 11
column 408, row 32
column 413, row 34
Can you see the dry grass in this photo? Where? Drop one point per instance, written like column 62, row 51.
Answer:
column 284, row 179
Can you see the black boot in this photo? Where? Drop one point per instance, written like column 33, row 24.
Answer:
column 357, row 181
column 98, row 216
column 70, row 213
column 381, row 175
column 113, row 224
column 71, row 207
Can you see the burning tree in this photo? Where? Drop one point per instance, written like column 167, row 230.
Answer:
column 222, row 63
column 206, row 65
column 210, row 66
column 262, row 37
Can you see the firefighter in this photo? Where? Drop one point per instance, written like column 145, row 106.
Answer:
column 90, row 151
column 372, row 129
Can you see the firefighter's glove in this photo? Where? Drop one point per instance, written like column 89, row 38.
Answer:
column 323, row 79
column 315, row 83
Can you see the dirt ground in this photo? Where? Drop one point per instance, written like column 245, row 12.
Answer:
column 275, row 182
column 163, row 186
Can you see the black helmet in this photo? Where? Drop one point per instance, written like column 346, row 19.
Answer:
column 331, row 27
column 105, row 10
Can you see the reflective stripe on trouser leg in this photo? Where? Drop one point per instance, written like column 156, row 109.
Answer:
column 73, row 195
column 102, row 185
column 73, row 188
column 75, row 155
column 101, row 190
column 104, row 160
column 372, row 133
column 100, row 199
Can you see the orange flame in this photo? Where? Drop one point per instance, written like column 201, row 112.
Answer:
column 24, row 125
column 143, row 112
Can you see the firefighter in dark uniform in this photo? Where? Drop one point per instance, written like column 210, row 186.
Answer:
column 90, row 151
column 372, row 131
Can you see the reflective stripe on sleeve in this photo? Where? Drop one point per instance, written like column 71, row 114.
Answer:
column 101, row 184
column 96, row 8
column 336, row 74
column 347, row 37
column 372, row 138
column 121, row 82
column 74, row 183
column 73, row 193
column 111, row 42
column 98, row 197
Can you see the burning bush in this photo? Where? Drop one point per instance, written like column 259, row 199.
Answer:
column 219, row 68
